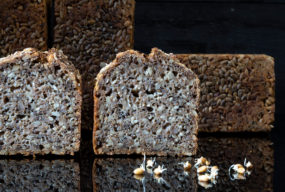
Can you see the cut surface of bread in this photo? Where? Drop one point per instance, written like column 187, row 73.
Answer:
column 237, row 91
column 40, row 99
column 145, row 104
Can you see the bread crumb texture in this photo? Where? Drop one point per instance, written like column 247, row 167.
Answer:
column 40, row 101
column 146, row 104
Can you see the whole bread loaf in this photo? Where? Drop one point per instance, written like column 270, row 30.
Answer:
column 237, row 91
column 146, row 104
column 40, row 99
column 23, row 23
column 91, row 33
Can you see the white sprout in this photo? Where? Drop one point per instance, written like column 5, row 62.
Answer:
column 201, row 161
column 214, row 174
column 186, row 165
column 150, row 163
column 247, row 164
column 159, row 170
column 160, row 180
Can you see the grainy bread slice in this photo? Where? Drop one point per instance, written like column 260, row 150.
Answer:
column 23, row 23
column 237, row 91
column 39, row 175
column 40, row 99
column 91, row 33
column 145, row 104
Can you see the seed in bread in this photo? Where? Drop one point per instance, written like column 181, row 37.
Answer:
column 146, row 104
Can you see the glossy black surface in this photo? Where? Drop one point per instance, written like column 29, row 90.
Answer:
column 116, row 173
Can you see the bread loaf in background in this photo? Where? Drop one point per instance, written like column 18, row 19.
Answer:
column 90, row 33
column 23, row 23
column 40, row 99
column 146, row 104
column 237, row 91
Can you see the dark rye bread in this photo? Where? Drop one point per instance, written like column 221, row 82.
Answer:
column 146, row 104
column 237, row 91
column 90, row 33
column 23, row 23
column 40, row 99
column 39, row 175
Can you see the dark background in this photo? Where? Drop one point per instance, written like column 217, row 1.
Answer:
column 219, row 26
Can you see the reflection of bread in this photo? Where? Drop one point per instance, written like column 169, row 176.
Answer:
column 237, row 91
column 90, row 33
column 40, row 101
column 116, row 174
column 146, row 104
column 39, row 175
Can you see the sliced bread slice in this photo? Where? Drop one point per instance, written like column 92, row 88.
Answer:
column 146, row 104
column 40, row 99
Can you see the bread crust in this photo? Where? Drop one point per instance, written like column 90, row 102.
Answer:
column 145, row 58
column 256, row 75
column 28, row 19
column 50, row 57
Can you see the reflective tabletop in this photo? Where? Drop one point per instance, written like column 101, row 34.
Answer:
column 87, row 172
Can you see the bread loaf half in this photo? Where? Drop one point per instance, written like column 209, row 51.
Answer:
column 40, row 101
column 145, row 104
column 237, row 91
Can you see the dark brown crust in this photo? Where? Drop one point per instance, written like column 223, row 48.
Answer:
column 95, row 16
column 28, row 18
column 108, row 69
column 51, row 57
column 244, row 115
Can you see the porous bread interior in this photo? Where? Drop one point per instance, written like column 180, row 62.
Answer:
column 39, row 108
column 146, row 105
